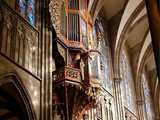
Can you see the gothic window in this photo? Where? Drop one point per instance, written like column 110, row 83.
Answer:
column 105, row 57
column 128, row 91
column 22, row 7
column 31, row 11
column 27, row 9
column 147, row 97
column 94, row 34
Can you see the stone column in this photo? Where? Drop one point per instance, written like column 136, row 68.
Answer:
column 154, row 23
column 118, row 99
column 140, row 106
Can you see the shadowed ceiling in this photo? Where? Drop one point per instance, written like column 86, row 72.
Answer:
column 112, row 7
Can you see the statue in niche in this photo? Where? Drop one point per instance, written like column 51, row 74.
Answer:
column 6, row 33
column 80, row 64
column 31, row 40
column 33, row 51
column 29, row 51
column 20, row 40
column 26, row 54
column 20, row 31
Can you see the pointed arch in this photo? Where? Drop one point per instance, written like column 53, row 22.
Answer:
column 125, row 25
column 12, row 79
column 144, row 54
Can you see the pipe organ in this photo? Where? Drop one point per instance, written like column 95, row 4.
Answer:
column 74, row 23
column 76, row 35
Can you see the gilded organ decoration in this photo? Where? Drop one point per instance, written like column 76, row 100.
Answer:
column 70, row 23
column 94, row 61
column 62, row 51
column 55, row 11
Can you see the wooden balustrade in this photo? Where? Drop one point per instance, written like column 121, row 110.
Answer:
column 67, row 74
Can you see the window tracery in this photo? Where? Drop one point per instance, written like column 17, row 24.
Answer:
column 22, row 7
column 27, row 9
column 128, row 91
column 100, row 63
column 149, row 112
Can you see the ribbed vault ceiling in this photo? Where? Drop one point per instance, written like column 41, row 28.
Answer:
column 112, row 7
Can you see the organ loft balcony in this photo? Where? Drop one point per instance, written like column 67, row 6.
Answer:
column 67, row 74
column 74, row 29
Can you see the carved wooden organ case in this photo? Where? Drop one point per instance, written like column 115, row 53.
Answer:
column 71, row 21
column 73, row 25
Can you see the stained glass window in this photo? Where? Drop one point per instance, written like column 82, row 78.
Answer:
column 94, row 34
column 128, row 91
column 100, row 64
column 22, row 7
column 147, row 97
column 31, row 11
column 27, row 9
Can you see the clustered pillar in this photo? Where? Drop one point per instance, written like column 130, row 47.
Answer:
column 118, row 98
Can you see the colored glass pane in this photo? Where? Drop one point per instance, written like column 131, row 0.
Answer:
column 94, row 34
column 31, row 11
column 22, row 7
column 148, row 102
column 27, row 9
